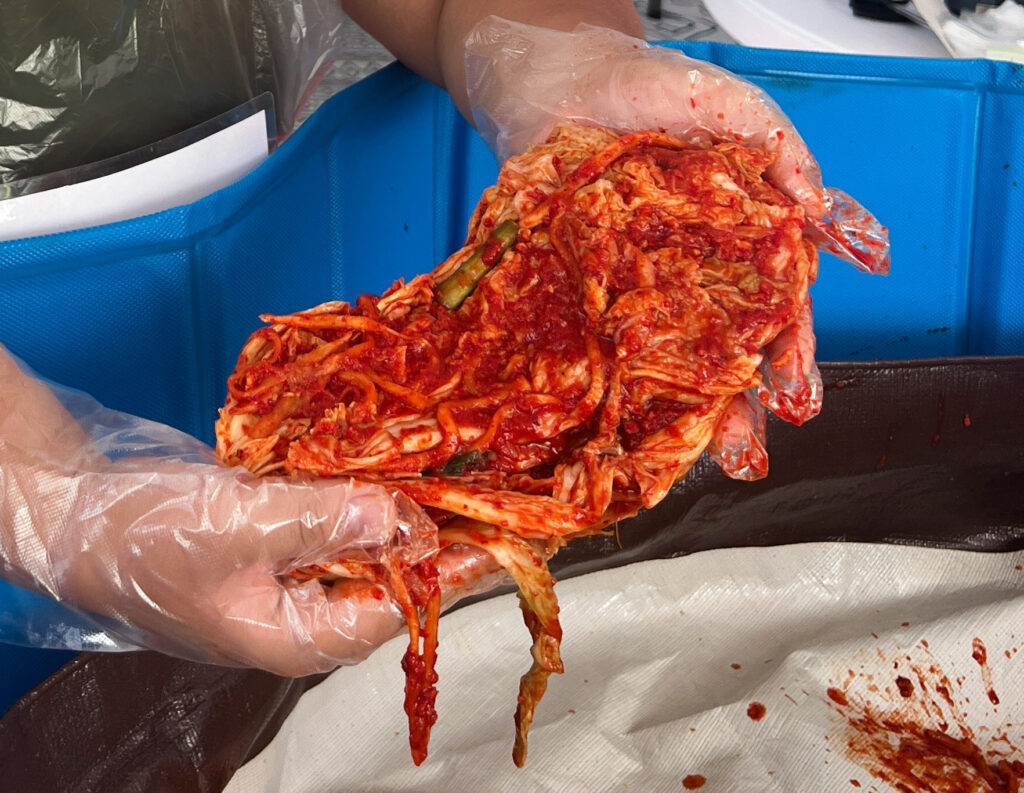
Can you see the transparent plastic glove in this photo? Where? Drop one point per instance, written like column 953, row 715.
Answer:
column 791, row 386
column 136, row 526
column 738, row 443
column 523, row 80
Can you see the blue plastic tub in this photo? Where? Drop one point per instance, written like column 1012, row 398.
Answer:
column 148, row 315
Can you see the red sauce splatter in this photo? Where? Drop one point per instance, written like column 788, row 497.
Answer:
column 921, row 742
column 694, row 782
column 905, row 686
column 837, row 696
column 756, row 711
column 980, row 654
column 735, row 666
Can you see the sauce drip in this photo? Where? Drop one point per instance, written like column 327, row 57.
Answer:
column 980, row 654
column 905, row 686
column 918, row 739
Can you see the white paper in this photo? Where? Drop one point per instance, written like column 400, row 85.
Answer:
column 172, row 180
column 663, row 661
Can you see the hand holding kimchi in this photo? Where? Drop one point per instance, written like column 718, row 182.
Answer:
column 524, row 80
column 622, row 303
column 147, row 540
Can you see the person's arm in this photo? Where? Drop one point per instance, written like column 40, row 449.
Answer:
column 193, row 558
column 429, row 37
column 516, row 70
column 667, row 91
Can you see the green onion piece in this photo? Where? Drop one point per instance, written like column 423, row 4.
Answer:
column 454, row 289
column 460, row 462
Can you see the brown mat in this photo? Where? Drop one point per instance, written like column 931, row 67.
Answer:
column 923, row 452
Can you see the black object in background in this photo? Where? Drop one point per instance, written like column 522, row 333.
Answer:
column 84, row 81
column 884, row 9
column 956, row 6
column 878, row 9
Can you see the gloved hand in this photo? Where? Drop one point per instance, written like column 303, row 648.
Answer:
column 138, row 527
column 523, row 80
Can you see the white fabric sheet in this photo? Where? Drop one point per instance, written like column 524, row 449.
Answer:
column 663, row 661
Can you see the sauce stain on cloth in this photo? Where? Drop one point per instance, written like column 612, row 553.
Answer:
column 916, row 737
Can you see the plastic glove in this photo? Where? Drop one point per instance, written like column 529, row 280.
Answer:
column 738, row 444
column 522, row 80
column 135, row 525
column 791, row 386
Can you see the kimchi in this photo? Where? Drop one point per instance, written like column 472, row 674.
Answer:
column 562, row 370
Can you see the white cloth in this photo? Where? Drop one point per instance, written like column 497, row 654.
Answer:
column 662, row 661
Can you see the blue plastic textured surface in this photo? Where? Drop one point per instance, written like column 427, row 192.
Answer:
column 148, row 315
